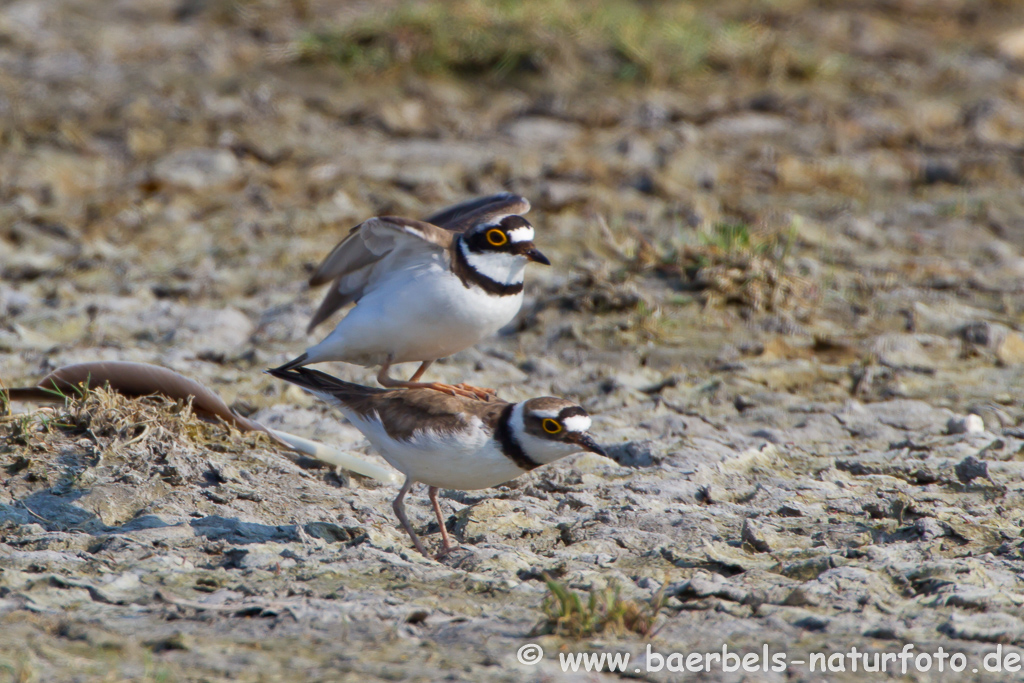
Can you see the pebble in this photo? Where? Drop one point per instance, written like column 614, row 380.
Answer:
column 970, row 424
column 536, row 130
column 198, row 169
column 1010, row 45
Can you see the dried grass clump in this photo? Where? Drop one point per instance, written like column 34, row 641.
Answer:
column 751, row 281
column 143, row 380
column 135, row 433
column 732, row 266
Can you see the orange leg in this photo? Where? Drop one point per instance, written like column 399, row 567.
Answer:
column 464, row 390
column 398, row 505
column 446, row 543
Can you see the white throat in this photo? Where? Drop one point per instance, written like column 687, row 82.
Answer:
column 506, row 269
column 536, row 448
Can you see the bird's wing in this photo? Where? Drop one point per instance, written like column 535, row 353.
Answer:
column 404, row 412
column 367, row 243
column 348, row 264
column 462, row 217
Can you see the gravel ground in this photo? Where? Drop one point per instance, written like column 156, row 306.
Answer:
column 791, row 301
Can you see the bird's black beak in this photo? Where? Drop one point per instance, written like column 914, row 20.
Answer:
column 588, row 443
column 533, row 253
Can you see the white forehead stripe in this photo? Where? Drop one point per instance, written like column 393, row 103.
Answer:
column 577, row 423
column 545, row 413
column 523, row 233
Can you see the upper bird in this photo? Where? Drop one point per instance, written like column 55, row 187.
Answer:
column 449, row 441
column 424, row 289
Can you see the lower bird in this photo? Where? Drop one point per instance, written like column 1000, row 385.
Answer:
column 452, row 442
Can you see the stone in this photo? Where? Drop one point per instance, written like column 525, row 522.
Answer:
column 537, row 130
column 1010, row 350
column 971, row 468
column 1010, row 45
column 198, row 169
column 970, row 424
column 407, row 117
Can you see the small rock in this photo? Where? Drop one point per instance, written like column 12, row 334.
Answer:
column 633, row 453
column 198, row 169
column 997, row 627
column 175, row 641
column 812, row 623
column 742, row 403
column 495, row 520
column 971, row 468
column 792, row 510
column 539, row 130
column 1011, row 45
column 757, row 536
column 222, row 330
column 800, row 597
column 540, row 367
column 983, row 334
column 1011, row 350
column 408, row 117
column 938, row 171
column 971, row 424
column 259, row 556
column 863, row 230
column 418, row 616
column 751, row 125
column 929, row 528
column 998, row 123
column 639, row 152
column 559, row 194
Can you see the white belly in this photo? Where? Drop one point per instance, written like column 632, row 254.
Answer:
column 416, row 314
column 472, row 461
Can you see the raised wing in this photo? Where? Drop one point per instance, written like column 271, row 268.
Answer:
column 462, row 217
column 367, row 243
column 348, row 263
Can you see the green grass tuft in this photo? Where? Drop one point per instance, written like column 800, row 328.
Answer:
column 568, row 613
column 659, row 42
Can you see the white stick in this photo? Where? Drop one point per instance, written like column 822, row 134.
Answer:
column 333, row 456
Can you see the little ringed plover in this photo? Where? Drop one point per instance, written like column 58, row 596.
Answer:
column 452, row 442
column 424, row 291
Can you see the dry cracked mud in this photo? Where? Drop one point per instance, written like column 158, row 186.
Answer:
column 787, row 285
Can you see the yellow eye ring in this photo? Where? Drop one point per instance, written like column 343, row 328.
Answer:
column 551, row 426
column 496, row 238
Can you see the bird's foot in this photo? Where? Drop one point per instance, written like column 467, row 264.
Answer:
column 482, row 393
column 464, row 390
column 445, row 551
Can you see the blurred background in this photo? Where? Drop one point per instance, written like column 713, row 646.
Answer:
column 709, row 174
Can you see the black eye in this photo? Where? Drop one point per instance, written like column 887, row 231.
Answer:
column 496, row 238
column 551, row 426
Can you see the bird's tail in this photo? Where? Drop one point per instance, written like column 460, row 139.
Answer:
column 293, row 363
column 321, row 383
